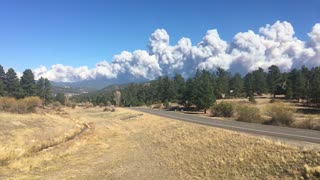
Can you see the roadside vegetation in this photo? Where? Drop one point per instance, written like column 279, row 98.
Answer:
column 88, row 143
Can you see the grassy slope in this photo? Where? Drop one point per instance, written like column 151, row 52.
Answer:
column 128, row 145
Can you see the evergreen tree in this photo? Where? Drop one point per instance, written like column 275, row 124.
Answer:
column 315, row 85
column 297, row 82
column 166, row 89
column 179, row 87
column 40, row 88
column 249, row 84
column 260, row 81
column 12, row 84
column 203, row 91
column 60, row 97
column 222, row 82
column 47, row 91
column 187, row 97
column 27, row 83
column 274, row 79
column 307, row 76
column 236, row 85
column 2, row 79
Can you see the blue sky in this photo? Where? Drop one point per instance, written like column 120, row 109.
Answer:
column 76, row 33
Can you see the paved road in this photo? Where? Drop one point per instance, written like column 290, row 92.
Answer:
column 265, row 130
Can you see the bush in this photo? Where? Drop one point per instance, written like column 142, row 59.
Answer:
column 74, row 105
column 223, row 109
column 56, row 105
column 20, row 107
column 7, row 103
column 309, row 123
column 109, row 109
column 280, row 114
column 272, row 100
column 88, row 105
column 249, row 114
column 28, row 104
column 25, row 105
column 31, row 103
column 252, row 99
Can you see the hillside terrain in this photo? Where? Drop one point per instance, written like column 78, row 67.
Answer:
column 92, row 144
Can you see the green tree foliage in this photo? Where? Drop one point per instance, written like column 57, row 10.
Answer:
column 260, row 83
column 203, row 91
column 315, row 85
column 249, row 84
column 60, row 97
column 40, row 88
column 43, row 90
column 179, row 87
column 166, row 89
column 2, row 79
column 222, row 82
column 296, row 85
column 188, row 93
column 274, row 79
column 28, row 83
column 236, row 85
column 48, row 91
column 12, row 84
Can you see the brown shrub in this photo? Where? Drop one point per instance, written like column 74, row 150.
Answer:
column 32, row 103
column 28, row 104
column 280, row 114
column 249, row 114
column 309, row 123
column 87, row 105
column 7, row 103
column 109, row 109
column 25, row 105
column 56, row 105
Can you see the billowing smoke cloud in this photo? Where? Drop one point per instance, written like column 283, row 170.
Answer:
column 272, row 45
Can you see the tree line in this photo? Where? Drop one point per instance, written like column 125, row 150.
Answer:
column 12, row 86
column 202, row 90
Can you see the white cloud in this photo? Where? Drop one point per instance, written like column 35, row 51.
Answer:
column 273, row 44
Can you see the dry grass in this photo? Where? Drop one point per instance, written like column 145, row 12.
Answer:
column 291, row 113
column 146, row 147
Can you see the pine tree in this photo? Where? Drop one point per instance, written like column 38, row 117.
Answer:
column 260, row 84
column 222, row 82
column 273, row 79
column 27, row 83
column 12, row 84
column 249, row 84
column 203, row 90
column 187, row 97
column 315, row 85
column 40, row 88
column 47, row 91
column 179, row 87
column 2, row 79
column 60, row 97
column 236, row 85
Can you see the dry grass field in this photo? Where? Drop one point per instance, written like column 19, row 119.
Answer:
column 125, row 144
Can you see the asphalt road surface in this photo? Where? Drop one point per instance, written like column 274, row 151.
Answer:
column 258, row 129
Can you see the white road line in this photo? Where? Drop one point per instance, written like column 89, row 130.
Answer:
column 235, row 127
